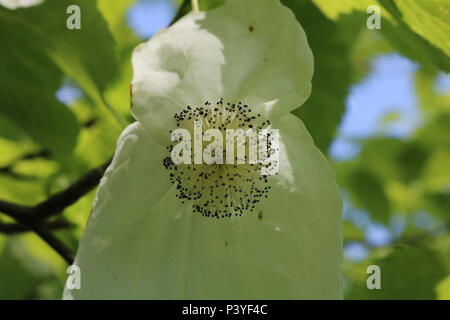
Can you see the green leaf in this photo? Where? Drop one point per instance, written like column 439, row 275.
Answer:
column 47, row 121
column 435, row 133
column 20, row 272
column 27, row 192
column 114, row 12
column 436, row 175
column 27, row 86
column 443, row 289
column 397, row 29
column 87, row 55
column 322, row 112
column 406, row 273
column 438, row 204
column 400, row 160
column 39, row 48
column 409, row 43
column 367, row 192
column 430, row 19
column 335, row 9
column 9, row 130
column 17, row 281
column 12, row 150
column 352, row 233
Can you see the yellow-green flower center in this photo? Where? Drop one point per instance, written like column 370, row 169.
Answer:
column 220, row 188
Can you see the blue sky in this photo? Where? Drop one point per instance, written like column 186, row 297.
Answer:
column 387, row 89
column 146, row 17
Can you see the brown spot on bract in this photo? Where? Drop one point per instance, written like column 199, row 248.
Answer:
column 251, row 28
column 131, row 96
column 260, row 215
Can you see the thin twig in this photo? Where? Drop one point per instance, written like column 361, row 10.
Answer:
column 27, row 156
column 59, row 201
column 44, row 154
column 55, row 243
column 16, row 228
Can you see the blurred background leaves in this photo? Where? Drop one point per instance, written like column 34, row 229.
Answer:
column 379, row 109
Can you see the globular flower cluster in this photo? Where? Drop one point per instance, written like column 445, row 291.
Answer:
column 223, row 189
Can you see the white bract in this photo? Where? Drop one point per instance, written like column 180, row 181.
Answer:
column 16, row 4
column 216, row 231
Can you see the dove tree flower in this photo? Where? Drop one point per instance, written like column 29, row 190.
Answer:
column 159, row 230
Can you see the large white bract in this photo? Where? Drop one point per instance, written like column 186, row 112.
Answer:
column 142, row 242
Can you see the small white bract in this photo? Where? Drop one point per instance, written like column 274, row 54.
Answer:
column 16, row 4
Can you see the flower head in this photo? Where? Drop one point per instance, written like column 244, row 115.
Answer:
column 212, row 83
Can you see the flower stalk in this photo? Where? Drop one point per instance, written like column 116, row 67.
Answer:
column 195, row 6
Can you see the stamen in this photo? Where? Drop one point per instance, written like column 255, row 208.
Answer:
column 221, row 189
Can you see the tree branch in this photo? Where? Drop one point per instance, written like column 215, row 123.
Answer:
column 35, row 218
column 59, row 201
column 16, row 228
column 13, row 210
column 55, row 243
